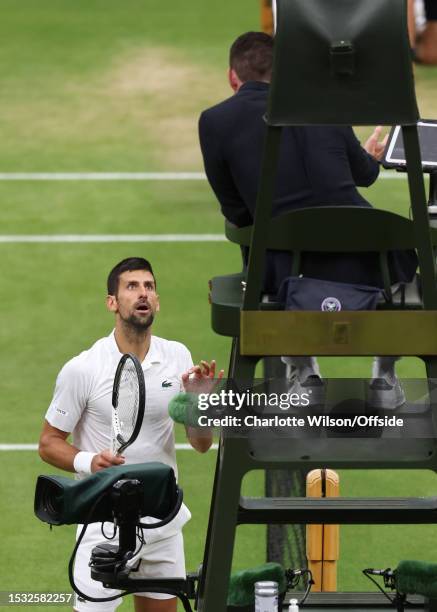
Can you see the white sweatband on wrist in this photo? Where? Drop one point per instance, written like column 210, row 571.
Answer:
column 82, row 462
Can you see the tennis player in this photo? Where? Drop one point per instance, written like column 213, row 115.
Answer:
column 81, row 405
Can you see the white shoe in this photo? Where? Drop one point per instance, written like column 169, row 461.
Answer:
column 384, row 395
column 312, row 388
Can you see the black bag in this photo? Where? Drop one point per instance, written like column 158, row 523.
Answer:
column 302, row 293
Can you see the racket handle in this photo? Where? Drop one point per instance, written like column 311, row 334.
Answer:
column 114, row 443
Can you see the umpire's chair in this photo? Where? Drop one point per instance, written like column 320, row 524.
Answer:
column 337, row 62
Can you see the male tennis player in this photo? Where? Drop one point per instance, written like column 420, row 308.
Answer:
column 82, row 406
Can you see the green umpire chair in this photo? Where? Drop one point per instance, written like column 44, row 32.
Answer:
column 343, row 62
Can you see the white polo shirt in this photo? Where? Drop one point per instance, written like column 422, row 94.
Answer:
column 81, row 402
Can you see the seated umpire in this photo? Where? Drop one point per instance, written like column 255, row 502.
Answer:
column 318, row 165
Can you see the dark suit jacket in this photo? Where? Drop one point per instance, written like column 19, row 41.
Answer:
column 318, row 165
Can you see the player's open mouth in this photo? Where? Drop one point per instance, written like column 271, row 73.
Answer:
column 142, row 309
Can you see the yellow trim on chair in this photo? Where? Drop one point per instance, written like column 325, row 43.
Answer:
column 338, row 333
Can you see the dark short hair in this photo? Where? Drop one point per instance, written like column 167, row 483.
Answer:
column 251, row 56
column 126, row 265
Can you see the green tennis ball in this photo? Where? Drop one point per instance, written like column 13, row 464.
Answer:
column 183, row 409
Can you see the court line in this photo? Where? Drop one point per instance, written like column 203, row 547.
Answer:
column 34, row 447
column 129, row 176
column 102, row 176
column 105, row 238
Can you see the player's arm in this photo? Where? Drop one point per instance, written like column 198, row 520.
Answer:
column 56, row 450
column 200, row 378
column 200, row 440
column 65, row 410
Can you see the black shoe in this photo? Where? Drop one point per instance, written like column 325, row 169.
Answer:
column 311, row 389
column 383, row 395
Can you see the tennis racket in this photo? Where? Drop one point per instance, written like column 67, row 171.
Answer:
column 128, row 403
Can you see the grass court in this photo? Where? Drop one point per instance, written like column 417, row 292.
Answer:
column 104, row 86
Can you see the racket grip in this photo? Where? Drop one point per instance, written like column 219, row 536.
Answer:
column 115, row 445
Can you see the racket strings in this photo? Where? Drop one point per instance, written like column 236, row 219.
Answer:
column 126, row 412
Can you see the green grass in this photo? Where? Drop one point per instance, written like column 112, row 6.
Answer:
column 108, row 207
column 99, row 85
column 107, row 86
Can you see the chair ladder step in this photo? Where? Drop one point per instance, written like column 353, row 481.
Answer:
column 342, row 510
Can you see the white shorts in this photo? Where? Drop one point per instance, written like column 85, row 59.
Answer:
column 161, row 559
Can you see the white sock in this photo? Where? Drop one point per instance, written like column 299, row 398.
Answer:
column 384, row 367
column 302, row 366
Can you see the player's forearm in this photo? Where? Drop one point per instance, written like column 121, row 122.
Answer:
column 57, row 452
column 200, row 442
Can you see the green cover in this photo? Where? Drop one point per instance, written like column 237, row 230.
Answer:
column 417, row 577
column 242, row 584
column 60, row 500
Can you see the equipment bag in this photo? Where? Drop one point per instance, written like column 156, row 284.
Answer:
column 302, row 293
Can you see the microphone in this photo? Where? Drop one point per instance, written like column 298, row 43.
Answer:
column 379, row 572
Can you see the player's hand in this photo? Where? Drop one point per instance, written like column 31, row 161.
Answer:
column 201, row 378
column 374, row 146
column 105, row 459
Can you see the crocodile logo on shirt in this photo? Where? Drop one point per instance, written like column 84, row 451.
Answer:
column 167, row 383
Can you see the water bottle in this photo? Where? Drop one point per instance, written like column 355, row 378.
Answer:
column 432, row 212
column 266, row 596
column 293, row 606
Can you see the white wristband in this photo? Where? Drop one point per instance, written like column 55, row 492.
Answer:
column 82, row 462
